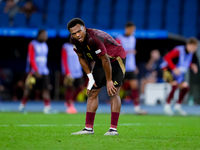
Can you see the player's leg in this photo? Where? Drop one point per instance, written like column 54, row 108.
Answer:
column 92, row 101
column 43, row 84
column 135, row 97
column 92, row 105
column 167, row 107
column 118, row 73
column 115, row 111
column 76, row 88
column 184, row 88
column 29, row 85
column 69, row 99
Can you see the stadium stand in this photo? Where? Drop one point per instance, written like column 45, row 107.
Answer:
column 176, row 16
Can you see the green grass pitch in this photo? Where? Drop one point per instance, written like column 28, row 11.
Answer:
column 52, row 132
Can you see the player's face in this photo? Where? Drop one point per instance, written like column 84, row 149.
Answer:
column 155, row 55
column 129, row 30
column 78, row 32
column 191, row 47
column 43, row 36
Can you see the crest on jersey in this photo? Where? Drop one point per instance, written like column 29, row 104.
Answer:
column 98, row 51
column 74, row 46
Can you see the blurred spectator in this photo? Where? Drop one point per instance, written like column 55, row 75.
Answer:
column 6, row 77
column 150, row 72
column 28, row 9
column 11, row 8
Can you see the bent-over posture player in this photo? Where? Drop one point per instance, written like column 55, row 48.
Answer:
column 109, row 70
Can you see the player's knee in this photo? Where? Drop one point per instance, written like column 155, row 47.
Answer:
column 184, row 85
column 93, row 94
column 174, row 83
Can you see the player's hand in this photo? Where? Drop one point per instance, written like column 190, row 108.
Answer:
column 194, row 68
column 136, row 71
column 37, row 74
column 68, row 80
column 176, row 71
column 88, row 91
column 111, row 89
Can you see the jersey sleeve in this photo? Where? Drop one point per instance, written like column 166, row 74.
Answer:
column 64, row 62
column 118, row 40
column 99, row 47
column 134, row 43
column 31, row 54
column 169, row 56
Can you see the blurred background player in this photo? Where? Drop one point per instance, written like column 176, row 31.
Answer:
column 150, row 71
column 38, row 76
column 128, row 42
column 73, row 80
column 174, row 71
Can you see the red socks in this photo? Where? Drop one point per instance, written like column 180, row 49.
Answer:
column 91, row 115
column 182, row 94
column 46, row 102
column 89, row 121
column 171, row 94
column 135, row 97
column 68, row 95
column 76, row 92
column 114, row 119
column 24, row 100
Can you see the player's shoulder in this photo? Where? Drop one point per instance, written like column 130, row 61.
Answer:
column 67, row 44
column 33, row 41
column 96, row 32
column 94, row 36
column 120, row 36
column 179, row 47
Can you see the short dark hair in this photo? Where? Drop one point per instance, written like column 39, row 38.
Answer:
column 74, row 22
column 40, row 32
column 129, row 24
column 192, row 40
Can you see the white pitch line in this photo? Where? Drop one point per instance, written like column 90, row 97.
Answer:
column 70, row 125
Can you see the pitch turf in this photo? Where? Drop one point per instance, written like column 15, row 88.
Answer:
column 52, row 132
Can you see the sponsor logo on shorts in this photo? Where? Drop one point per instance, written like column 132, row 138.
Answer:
column 98, row 51
column 115, row 83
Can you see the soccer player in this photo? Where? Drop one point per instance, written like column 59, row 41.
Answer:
column 175, row 65
column 109, row 70
column 38, row 71
column 128, row 41
column 73, row 80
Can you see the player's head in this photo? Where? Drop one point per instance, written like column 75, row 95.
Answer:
column 129, row 28
column 77, row 29
column 192, row 44
column 42, row 35
column 155, row 55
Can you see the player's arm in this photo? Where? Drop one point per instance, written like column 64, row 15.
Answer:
column 64, row 62
column 194, row 64
column 108, row 72
column 169, row 57
column 68, row 80
column 31, row 54
column 101, row 52
column 87, row 70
